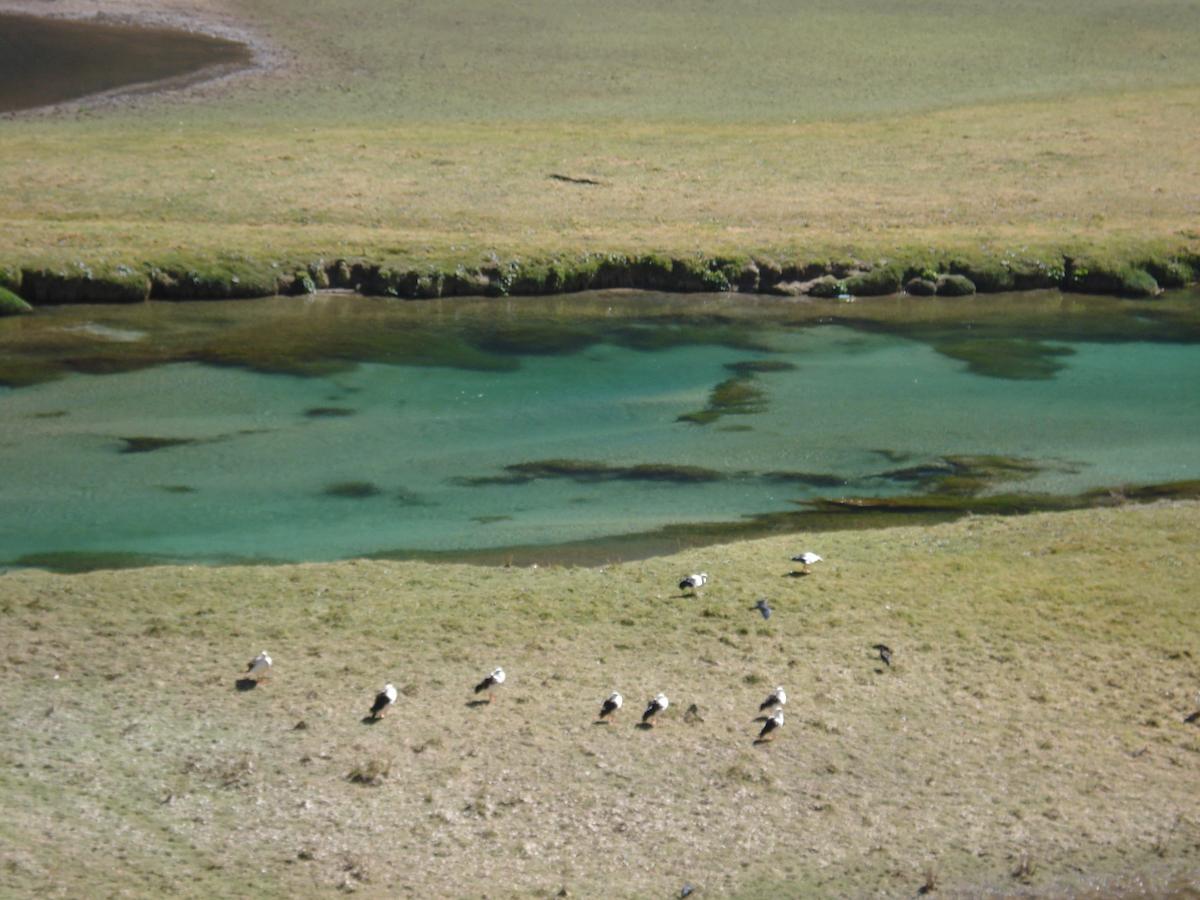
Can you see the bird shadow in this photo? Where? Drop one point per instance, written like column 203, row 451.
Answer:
column 369, row 719
column 602, row 722
column 245, row 684
column 644, row 726
column 759, row 742
column 797, row 574
column 473, row 704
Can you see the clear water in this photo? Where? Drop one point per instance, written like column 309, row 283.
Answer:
column 381, row 456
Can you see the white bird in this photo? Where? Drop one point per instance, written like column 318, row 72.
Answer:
column 777, row 697
column 259, row 667
column 383, row 700
column 694, row 582
column 656, row 705
column 611, row 705
column 490, row 683
column 806, row 559
column 776, row 721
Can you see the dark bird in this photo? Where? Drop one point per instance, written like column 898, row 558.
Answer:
column 777, row 697
column 770, row 726
column 383, row 700
column 611, row 705
column 490, row 683
column 885, row 653
column 694, row 582
column 1193, row 718
column 656, row 705
column 763, row 607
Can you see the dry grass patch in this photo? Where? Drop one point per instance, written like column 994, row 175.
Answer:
column 1033, row 712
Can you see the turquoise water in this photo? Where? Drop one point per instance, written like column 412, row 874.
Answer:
column 378, row 457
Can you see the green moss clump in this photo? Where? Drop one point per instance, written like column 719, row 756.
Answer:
column 881, row 280
column 955, row 286
column 827, row 286
column 1092, row 277
column 79, row 282
column 989, row 276
column 920, row 287
column 1170, row 273
column 10, row 278
column 218, row 279
column 11, row 304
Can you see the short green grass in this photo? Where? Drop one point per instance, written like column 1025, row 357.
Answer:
column 1028, row 735
column 429, row 132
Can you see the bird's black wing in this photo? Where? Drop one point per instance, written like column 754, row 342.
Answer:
column 381, row 701
column 607, row 708
column 485, row 684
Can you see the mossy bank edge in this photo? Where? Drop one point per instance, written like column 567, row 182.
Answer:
column 233, row 276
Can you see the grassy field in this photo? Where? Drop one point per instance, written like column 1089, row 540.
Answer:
column 430, row 132
column 1028, row 737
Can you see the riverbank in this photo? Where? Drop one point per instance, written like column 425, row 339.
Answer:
column 1028, row 736
column 1139, row 275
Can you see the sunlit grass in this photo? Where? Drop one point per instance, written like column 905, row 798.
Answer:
column 1033, row 711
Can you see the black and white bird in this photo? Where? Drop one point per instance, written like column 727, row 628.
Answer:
column 771, row 726
column 383, row 701
column 490, row 683
column 694, row 582
column 611, row 705
column 763, row 607
column 656, row 705
column 259, row 668
column 777, row 697
column 885, row 653
column 806, row 559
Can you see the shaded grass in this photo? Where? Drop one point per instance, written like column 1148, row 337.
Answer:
column 1033, row 711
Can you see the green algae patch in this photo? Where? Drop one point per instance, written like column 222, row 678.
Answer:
column 329, row 412
column 11, row 304
column 586, row 471
column 758, row 366
column 152, row 444
column 352, row 490
column 1015, row 359
column 733, row 397
column 969, row 475
column 73, row 562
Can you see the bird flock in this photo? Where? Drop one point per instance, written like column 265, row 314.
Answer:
column 258, row 670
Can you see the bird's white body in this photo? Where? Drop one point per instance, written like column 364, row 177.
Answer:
column 807, row 558
column 259, row 666
column 771, row 725
column 383, row 700
column 655, row 706
column 489, row 684
column 694, row 581
column 611, row 704
column 777, row 697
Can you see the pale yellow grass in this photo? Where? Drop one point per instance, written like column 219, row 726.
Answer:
column 1103, row 173
column 1031, row 723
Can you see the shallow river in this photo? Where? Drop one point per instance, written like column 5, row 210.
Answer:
column 294, row 429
